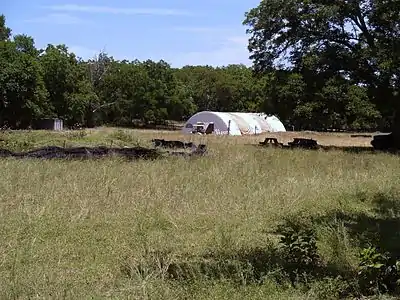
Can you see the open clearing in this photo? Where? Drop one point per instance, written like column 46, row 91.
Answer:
column 186, row 228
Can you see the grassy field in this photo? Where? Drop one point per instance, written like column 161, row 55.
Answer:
column 203, row 228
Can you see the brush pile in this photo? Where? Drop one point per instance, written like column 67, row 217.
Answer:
column 52, row 152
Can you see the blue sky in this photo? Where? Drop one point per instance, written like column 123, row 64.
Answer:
column 181, row 32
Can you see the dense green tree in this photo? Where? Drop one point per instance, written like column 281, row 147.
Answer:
column 355, row 40
column 23, row 97
column 234, row 88
column 201, row 84
column 66, row 81
column 361, row 114
column 5, row 32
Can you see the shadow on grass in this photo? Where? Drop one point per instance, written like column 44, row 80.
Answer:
column 346, row 149
column 244, row 266
column 380, row 228
column 359, row 149
column 295, row 262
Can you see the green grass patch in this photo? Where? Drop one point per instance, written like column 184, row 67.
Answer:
column 241, row 223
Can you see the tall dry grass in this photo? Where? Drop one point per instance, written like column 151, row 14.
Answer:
column 110, row 228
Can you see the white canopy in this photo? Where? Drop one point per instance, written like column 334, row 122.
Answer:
column 236, row 123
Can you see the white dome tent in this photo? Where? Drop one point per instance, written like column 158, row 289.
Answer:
column 247, row 123
column 222, row 122
column 276, row 124
column 235, row 123
column 272, row 123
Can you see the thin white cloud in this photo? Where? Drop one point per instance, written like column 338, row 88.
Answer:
column 201, row 29
column 118, row 10
column 83, row 52
column 62, row 19
column 233, row 50
column 239, row 40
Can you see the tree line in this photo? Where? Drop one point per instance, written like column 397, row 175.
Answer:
column 330, row 79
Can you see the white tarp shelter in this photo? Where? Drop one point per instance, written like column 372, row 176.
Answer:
column 234, row 123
